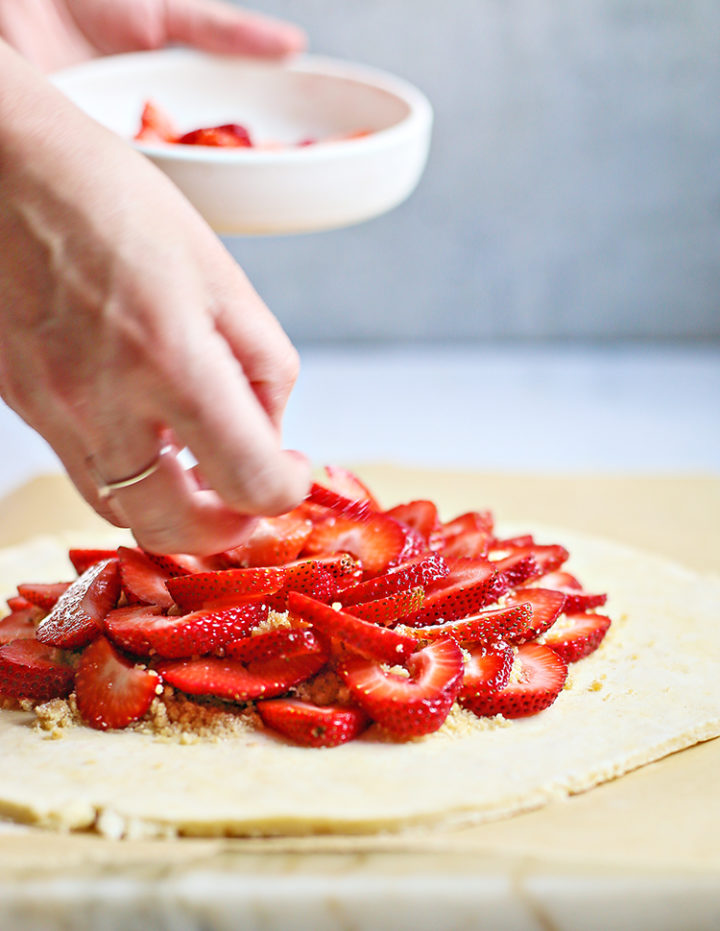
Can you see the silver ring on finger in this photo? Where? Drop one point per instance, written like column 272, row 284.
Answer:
column 106, row 488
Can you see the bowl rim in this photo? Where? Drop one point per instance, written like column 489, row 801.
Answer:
column 417, row 121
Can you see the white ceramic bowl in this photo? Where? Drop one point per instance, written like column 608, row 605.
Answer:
column 284, row 190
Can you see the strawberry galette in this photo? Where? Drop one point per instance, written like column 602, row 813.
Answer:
column 348, row 668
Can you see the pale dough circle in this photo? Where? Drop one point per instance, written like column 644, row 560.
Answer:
column 652, row 688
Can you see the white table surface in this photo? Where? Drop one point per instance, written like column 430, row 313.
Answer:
column 632, row 408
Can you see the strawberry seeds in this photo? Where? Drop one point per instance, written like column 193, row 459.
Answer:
column 407, row 615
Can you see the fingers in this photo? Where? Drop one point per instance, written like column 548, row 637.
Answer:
column 218, row 27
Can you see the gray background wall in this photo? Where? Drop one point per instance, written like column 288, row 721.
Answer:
column 573, row 189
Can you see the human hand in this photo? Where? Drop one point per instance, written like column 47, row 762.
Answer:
column 123, row 320
column 54, row 34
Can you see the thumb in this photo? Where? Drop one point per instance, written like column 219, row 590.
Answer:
column 217, row 27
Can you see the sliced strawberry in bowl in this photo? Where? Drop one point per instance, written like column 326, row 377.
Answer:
column 226, row 586
column 546, row 606
column 537, row 678
column 77, row 616
column 470, row 586
column 274, row 542
column 377, row 541
column 484, row 627
column 43, row 594
column 413, row 705
column 236, row 681
column 577, row 600
column 575, row 636
column 111, row 691
column 142, row 579
column 419, row 570
column 487, row 670
column 313, row 725
column 29, row 669
column 363, row 637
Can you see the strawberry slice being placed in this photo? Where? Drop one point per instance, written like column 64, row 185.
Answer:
column 370, row 640
column 486, row 626
column 351, row 508
column 29, row 669
column 470, row 586
column 576, row 599
column 43, row 594
column 575, row 636
column 346, row 483
column 235, row 681
column 419, row 570
column 408, row 706
column 224, row 587
column 312, row 725
column 111, row 691
column 142, row 579
column 546, row 609
column 20, row 624
column 274, row 541
column 487, row 670
column 77, row 616
column 280, row 644
column 388, row 610
column 536, row 679
column 377, row 541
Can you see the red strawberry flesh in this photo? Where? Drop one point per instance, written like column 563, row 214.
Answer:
column 534, row 684
column 312, row 725
column 77, row 615
column 29, row 669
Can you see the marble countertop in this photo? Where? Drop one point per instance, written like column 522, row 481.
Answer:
column 607, row 408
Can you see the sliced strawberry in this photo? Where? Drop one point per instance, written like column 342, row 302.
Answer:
column 77, row 616
column 155, row 125
column 420, row 570
column 486, row 626
column 19, row 625
column 351, row 508
column 377, row 541
column 274, row 541
column 470, row 586
column 202, row 631
column 341, row 566
column 360, row 636
column 513, row 543
column 279, row 644
column 346, row 483
column 312, row 725
column 43, row 594
column 82, row 559
column 127, row 627
column 519, row 567
column 110, row 691
column 408, row 707
column 388, row 610
column 233, row 680
column 421, row 515
column 29, row 669
column 536, row 680
column 227, row 586
column 548, row 558
column 308, row 577
column 487, row 670
column 142, row 579
column 577, row 600
column 18, row 603
column 229, row 135
column 181, row 563
column 466, row 523
column 546, row 608
column 575, row 636
column 470, row 544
